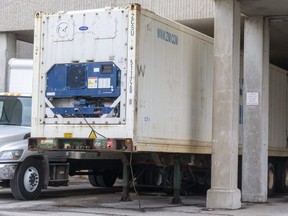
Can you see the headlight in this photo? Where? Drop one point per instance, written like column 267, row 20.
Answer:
column 11, row 155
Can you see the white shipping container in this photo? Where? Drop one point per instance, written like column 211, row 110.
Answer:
column 166, row 69
column 278, row 107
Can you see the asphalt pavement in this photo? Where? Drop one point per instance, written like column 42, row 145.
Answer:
column 82, row 199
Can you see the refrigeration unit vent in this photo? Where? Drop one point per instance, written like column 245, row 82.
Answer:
column 76, row 77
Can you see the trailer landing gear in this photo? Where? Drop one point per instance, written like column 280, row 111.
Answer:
column 177, row 182
column 126, row 177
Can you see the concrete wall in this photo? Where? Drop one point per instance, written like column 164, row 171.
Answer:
column 24, row 49
column 19, row 14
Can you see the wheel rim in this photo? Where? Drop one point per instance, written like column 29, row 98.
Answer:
column 31, row 179
column 286, row 177
column 158, row 179
column 270, row 179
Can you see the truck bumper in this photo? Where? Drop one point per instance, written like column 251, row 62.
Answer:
column 7, row 171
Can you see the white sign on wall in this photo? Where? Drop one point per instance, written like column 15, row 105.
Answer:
column 252, row 99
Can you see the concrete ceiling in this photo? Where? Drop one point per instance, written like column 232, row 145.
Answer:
column 264, row 7
column 276, row 10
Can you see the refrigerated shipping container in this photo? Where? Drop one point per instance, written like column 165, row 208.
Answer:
column 127, row 73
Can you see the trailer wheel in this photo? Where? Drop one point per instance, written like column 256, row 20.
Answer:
column 27, row 182
column 168, row 180
column 271, row 179
column 153, row 176
column 282, row 177
column 93, row 180
column 106, row 180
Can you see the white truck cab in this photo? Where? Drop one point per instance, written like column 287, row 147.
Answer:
column 15, row 128
column 15, row 122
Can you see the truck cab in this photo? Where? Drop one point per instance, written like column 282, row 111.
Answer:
column 15, row 110
column 15, row 129
column 15, row 122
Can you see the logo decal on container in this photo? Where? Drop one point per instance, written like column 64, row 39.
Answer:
column 83, row 28
column 167, row 36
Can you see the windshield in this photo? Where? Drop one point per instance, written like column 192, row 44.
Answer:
column 15, row 110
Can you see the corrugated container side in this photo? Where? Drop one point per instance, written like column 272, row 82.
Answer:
column 278, row 108
column 175, row 85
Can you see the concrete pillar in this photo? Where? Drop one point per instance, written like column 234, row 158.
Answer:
column 224, row 193
column 256, row 105
column 7, row 51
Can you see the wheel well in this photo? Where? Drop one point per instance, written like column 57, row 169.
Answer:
column 45, row 166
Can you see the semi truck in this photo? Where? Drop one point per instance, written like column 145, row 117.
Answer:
column 125, row 93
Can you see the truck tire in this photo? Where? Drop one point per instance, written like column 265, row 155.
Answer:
column 27, row 182
column 106, row 180
column 153, row 176
column 282, row 177
column 271, row 182
column 168, row 180
column 93, row 180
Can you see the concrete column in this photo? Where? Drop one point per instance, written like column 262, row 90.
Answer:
column 256, row 105
column 7, row 51
column 224, row 193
